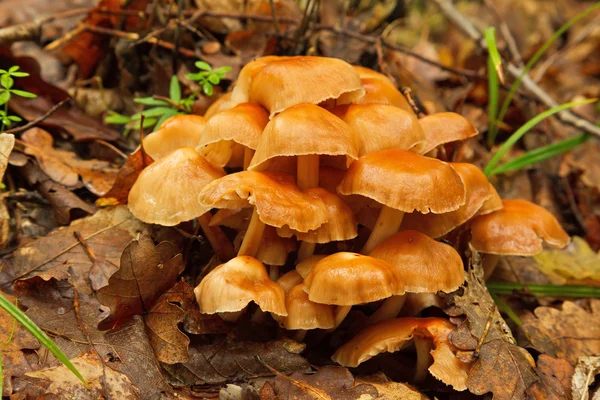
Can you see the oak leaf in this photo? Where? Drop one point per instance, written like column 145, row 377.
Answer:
column 576, row 261
column 146, row 272
column 555, row 379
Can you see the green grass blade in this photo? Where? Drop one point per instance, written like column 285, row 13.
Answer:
column 40, row 335
column 538, row 54
column 541, row 154
column 546, row 290
column 507, row 310
column 514, row 138
column 175, row 89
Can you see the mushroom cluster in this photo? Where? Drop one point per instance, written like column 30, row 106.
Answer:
column 337, row 196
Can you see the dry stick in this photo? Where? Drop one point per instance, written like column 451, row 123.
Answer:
column 469, row 29
column 506, row 34
column 112, row 147
column 40, row 118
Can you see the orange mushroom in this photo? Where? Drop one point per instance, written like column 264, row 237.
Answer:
column 430, row 336
column 221, row 104
column 379, row 89
column 176, row 132
column 403, row 182
column 241, row 90
column 445, row 127
column 520, row 228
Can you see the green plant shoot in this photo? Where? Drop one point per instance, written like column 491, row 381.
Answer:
column 7, row 81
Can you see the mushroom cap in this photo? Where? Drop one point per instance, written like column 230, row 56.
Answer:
column 379, row 91
column 176, row 132
column 381, row 126
column 221, row 104
column 437, row 225
column 241, row 90
column 341, row 224
column 242, row 124
column 368, row 73
column 274, row 249
column 445, row 127
column 231, row 286
column 286, row 82
column 305, row 129
column 288, row 280
column 390, row 336
column 277, row 199
column 166, row 191
column 234, row 218
column 424, row 264
column 519, row 229
column 306, row 265
column 306, row 314
column 492, row 204
column 347, row 279
column 405, row 181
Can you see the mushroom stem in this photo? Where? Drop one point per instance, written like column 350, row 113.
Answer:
column 424, row 358
column 306, row 250
column 231, row 316
column 388, row 222
column 248, row 154
column 299, row 335
column 390, row 308
column 340, row 313
column 308, row 171
column 274, row 272
column 489, row 263
column 217, row 239
column 253, row 236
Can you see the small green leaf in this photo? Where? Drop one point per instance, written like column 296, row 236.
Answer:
column 214, row 79
column 116, row 118
column 165, row 116
column 175, row 89
column 148, row 122
column 3, row 71
column 203, row 65
column 149, row 101
column 14, row 68
column 197, row 76
column 155, row 112
column 4, row 96
column 15, row 118
column 23, row 93
column 6, row 81
column 19, row 74
column 207, row 88
column 221, row 71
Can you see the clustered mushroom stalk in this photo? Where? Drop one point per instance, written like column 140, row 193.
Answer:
column 322, row 148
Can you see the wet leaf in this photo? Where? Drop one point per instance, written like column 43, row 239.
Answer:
column 576, row 261
column 146, row 272
column 555, row 379
column 569, row 333
column 103, row 380
column 169, row 343
column 126, row 177
column 60, row 255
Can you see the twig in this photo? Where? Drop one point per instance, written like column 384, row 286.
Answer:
column 40, row 118
column 171, row 102
column 112, row 147
column 506, row 34
column 469, row 29
column 274, row 15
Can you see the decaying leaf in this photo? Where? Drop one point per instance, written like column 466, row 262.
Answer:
column 583, row 160
column 20, row 338
column 585, row 373
column 328, row 383
column 126, row 177
column 502, row 367
column 103, row 381
column 146, row 271
column 388, row 389
column 14, row 364
column 555, row 379
column 61, row 256
column 569, row 333
column 230, row 360
column 169, row 343
column 7, row 142
column 576, row 261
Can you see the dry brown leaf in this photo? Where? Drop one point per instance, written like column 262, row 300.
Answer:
column 388, row 389
column 14, row 364
column 569, row 333
column 7, row 142
column 146, row 272
column 20, row 338
column 126, row 177
column 59, row 255
column 104, row 382
column 555, row 379
column 585, row 373
column 576, row 261
column 583, row 160
column 169, row 343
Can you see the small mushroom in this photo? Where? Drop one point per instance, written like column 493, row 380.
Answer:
column 241, row 90
column 304, row 79
column 176, row 132
column 492, row 204
column 426, row 266
column 520, row 228
column 221, row 104
column 402, row 181
column 242, row 124
column 379, row 89
column 346, row 279
column 230, row 287
column 443, row 128
column 477, row 193
column 381, row 127
column 430, row 336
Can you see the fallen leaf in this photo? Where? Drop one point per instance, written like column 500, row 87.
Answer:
column 125, row 179
column 582, row 160
column 169, row 343
column 60, row 255
column 569, row 333
column 66, row 205
column 328, row 383
column 14, row 364
column 230, row 360
column 7, row 142
column 388, row 389
column 103, row 381
column 555, row 379
column 146, row 271
column 585, row 373
column 576, row 261
column 20, row 338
